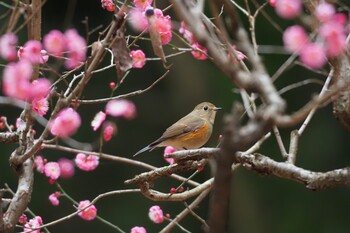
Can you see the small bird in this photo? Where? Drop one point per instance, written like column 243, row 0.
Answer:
column 190, row 132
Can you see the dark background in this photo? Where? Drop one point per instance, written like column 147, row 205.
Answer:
column 259, row 203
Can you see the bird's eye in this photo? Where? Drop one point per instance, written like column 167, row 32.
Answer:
column 205, row 108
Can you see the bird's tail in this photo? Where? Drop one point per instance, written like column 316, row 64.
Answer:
column 149, row 147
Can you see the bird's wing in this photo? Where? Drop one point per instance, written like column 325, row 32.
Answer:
column 178, row 129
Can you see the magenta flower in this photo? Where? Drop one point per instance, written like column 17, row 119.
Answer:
column 169, row 150
column 39, row 163
column 313, row 55
column 163, row 26
column 156, row 214
column 138, row 57
column 86, row 163
column 66, row 123
column 40, row 106
column 52, row 170
column 54, row 42
column 67, row 167
column 295, row 38
column 288, row 9
column 109, row 129
column 108, row 5
column 197, row 51
column 8, row 43
column 31, row 51
column 324, row 11
column 142, row 4
column 335, row 38
column 121, row 108
column 98, row 120
column 53, row 198
column 137, row 229
column 188, row 35
column 23, row 219
column 33, row 223
column 16, row 80
column 89, row 213
column 138, row 19
column 39, row 89
column 76, row 47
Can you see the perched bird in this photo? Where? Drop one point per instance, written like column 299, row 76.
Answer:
column 190, row 132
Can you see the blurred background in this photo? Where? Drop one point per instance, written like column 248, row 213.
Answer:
column 259, row 203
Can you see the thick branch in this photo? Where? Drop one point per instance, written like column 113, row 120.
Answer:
column 9, row 137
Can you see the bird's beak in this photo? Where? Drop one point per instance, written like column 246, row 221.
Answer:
column 217, row 108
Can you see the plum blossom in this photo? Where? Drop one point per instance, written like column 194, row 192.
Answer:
column 89, row 213
column 137, row 229
column 39, row 163
column 324, row 11
column 33, row 223
column 313, row 55
column 67, row 167
column 138, row 58
column 39, row 89
column 52, row 170
column 76, row 48
column 138, row 19
column 288, row 9
column 294, row 38
column 109, row 129
column 334, row 35
column 8, row 43
column 142, row 4
column 156, row 214
column 98, row 120
column 66, row 123
column 40, row 106
column 23, row 219
column 54, row 42
column 121, row 108
column 169, row 150
column 108, row 5
column 86, row 163
column 53, row 198
column 197, row 51
column 31, row 51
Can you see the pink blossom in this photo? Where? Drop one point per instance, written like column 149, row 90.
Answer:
column 86, row 163
column 197, row 51
column 98, row 120
column 53, row 198
column 54, row 42
column 23, row 219
column 44, row 56
column 31, row 51
column 66, row 123
column 138, row 57
column 272, row 2
column 163, row 26
column 324, row 11
column 188, row 35
column 67, row 167
column 288, row 9
column 121, row 108
column 76, row 47
column 335, row 38
column 52, row 170
column 8, row 44
column 142, row 4
column 40, row 106
column 39, row 163
column 109, row 129
column 137, row 229
column 138, row 19
column 156, row 214
column 32, row 224
column 169, row 150
column 295, row 38
column 16, row 79
column 89, row 213
column 108, row 5
column 39, row 89
column 313, row 55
